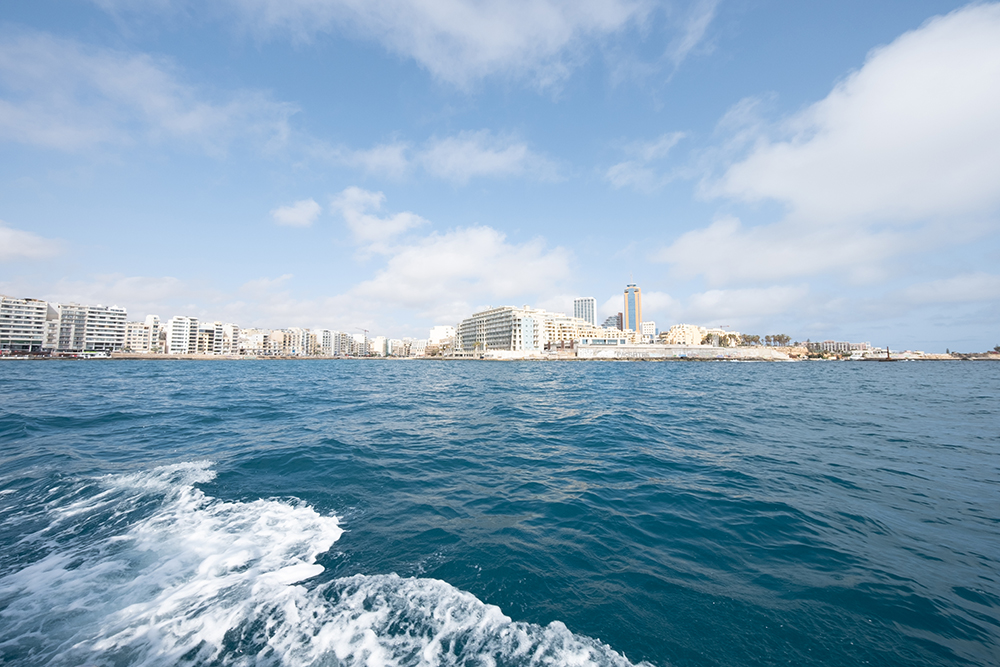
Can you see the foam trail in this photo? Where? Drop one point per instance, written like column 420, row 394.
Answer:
column 168, row 575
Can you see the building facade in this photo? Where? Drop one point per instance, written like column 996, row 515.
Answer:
column 632, row 315
column 585, row 308
column 514, row 329
column 22, row 325
column 182, row 335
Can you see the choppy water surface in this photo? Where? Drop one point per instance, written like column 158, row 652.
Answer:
column 405, row 513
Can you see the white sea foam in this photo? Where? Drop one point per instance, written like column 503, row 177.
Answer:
column 198, row 580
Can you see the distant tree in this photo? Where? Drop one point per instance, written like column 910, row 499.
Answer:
column 996, row 348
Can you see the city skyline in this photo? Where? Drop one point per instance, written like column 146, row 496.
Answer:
column 320, row 164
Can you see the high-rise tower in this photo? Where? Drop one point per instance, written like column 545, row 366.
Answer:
column 585, row 308
column 632, row 315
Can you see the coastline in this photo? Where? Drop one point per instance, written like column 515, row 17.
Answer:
column 625, row 353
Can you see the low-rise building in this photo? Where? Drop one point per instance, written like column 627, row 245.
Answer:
column 684, row 334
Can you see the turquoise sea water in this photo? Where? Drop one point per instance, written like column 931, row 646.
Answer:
column 405, row 513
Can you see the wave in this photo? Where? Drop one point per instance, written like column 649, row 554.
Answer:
column 146, row 569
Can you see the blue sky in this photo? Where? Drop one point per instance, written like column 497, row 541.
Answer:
column 825, row 170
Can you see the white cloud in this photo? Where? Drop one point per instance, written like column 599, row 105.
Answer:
column 19, row 244
column 961, row 288
column 637, row 172
column 749, row 305
column 445, row 274
column 902, row 156
column 141, row 295
column 471, row 154
column 457, row 158
column 458, row 41
column 699, row 17
column 359, row 208
column 725, row 252
column 61, row 94
column 913, row 134
column 388, row 160
column 300, row 214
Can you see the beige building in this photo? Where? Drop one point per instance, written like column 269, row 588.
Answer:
column 684, row 334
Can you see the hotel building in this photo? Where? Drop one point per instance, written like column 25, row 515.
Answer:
column 632, row 315
column 75, row 328
column 585, row 308
column 182, row 335
column 523, row 329
column 22, row 324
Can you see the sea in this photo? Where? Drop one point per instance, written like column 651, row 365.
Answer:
column 377, row 513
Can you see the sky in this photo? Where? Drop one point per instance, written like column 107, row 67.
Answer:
column 818, row 169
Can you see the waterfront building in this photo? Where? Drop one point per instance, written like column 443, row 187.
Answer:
column 613, row 322
column 342, row 344
column 253, row 341
column 418, row 347
column 503, row 328
column 684, row 334
column 377, row 345
column 143, row 337
column 441, row 335
column 359, row 345
column 324, row 342
column 633, row 308
column 22, row 325
column 72, row 327
column 838, row 346
column 182, row 335
column 210, row 338
column 299, row 342
column 585, row 308
column 525, row 329
column 152, row 323
column 648, row 331
column 105, row 328
column 230, row 339
column 66, row 327
column 136, row 337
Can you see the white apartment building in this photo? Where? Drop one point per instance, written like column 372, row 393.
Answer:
column 441, row 335
column 324, row 341
column 230, row 338
column 648, row 331
column 359, row 345
column 22, row 324
column 253, row 341
column 182, row 335
column 105, row 328
column 378, row 346
column 72, row 327
column 210, row 338
column 522, row 330
column 341, row 344
column 585, row 308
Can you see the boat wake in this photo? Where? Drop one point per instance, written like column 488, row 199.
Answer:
column 146, row 569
